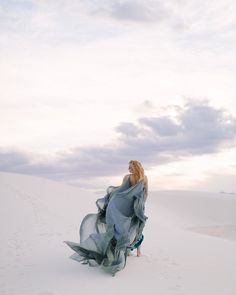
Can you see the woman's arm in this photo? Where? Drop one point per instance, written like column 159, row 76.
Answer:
column 145, row 188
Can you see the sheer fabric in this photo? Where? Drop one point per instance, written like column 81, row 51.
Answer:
column 107, row 236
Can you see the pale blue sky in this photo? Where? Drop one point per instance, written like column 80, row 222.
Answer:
column 88, row 85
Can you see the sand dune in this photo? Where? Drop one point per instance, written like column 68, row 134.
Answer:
column 189, row 245
column 207, row 213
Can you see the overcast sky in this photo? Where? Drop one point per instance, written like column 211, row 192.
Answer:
column 88, row 85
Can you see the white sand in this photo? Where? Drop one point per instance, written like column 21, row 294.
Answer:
column 189, row 245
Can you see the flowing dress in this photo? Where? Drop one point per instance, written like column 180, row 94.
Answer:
column 107, row 236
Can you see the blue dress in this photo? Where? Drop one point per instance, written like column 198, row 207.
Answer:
column 107, row 236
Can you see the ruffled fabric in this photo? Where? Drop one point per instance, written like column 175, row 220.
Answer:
column 107, row 236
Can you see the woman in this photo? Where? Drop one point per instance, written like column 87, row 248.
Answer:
column 108, row 237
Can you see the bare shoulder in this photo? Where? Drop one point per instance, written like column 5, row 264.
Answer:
column 145, row 178
column 126, row 177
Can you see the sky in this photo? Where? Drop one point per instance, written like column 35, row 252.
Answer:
column 88, row 85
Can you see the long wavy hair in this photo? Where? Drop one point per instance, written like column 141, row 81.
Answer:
column 138, row 170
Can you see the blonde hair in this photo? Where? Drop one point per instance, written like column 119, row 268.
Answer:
column 138, row 170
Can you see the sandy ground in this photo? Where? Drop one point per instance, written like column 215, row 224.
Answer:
column 189, row 245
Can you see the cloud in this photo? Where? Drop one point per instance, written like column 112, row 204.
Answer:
column 139, row 10
column 192, row 24
column 199, row 20
column 163, row 126
column 128, row 129
column 180, row 14
column 197, row 129
column 11, row 160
